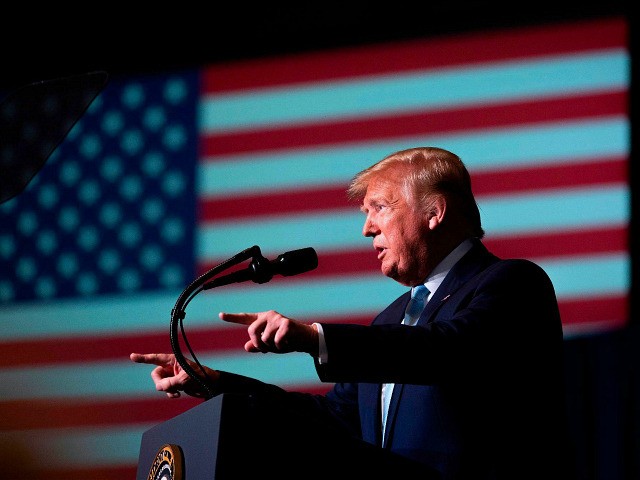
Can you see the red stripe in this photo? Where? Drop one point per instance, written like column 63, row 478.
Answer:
column 541, row 110
column 217, row 338
column 66, row 350
column 508, row 180
column 535, row 246
column 24, row 472
column 312, row 199
column 406, row 56
column 30, row 414
column 594, row 310
column 569, row 174
column 561, row 244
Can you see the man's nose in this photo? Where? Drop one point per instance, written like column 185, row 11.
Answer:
column 369, row 228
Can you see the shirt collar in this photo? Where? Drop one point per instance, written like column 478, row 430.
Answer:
column 437, row 275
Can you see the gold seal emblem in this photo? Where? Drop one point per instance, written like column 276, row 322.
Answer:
column 167, row 464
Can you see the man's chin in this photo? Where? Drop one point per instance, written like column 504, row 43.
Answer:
column 393, row 274
column 390, row 272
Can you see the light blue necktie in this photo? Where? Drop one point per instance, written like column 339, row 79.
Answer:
column 415, row 307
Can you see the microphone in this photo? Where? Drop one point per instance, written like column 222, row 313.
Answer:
column 261, row 270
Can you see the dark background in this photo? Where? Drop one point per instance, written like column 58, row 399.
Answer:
column 603, row 370
column 40, row 43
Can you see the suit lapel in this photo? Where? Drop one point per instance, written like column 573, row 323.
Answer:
column 370, row 392
column 394, row 313
column 473, row 262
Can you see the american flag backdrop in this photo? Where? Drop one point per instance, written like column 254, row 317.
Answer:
column 167, row 175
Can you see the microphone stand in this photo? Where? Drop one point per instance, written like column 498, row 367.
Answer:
column 178, row 314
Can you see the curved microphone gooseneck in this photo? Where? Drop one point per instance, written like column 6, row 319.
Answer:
column 261, row 270
column 178, row 313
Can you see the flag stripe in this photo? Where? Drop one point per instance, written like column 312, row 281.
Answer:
column 510, row 180
column 485, row 150
column 68, row 413
column 587, row 275
column 534, row 246
column 108, row 472
column 83, row 448
column 502, row 45
column 69, row 349
column 477, row 84
column 222, row 338
column 112, row 379
column 508, row 215
column 400, row 124
column 569, row 174
column 546, row 245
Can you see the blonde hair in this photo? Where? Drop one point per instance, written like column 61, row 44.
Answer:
column 429, row 171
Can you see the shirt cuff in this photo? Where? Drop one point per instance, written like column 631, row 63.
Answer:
column 323, row 355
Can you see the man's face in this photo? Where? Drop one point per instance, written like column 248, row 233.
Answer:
column 399, row 232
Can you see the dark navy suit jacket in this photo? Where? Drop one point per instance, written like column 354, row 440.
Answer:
column 479, row 380
column 479, row 388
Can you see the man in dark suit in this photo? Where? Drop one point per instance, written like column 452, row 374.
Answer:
column 470, row 385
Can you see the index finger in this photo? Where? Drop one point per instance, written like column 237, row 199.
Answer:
column 240, row 318
column 159, row 359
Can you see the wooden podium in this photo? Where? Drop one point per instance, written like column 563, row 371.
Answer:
column 234, row 436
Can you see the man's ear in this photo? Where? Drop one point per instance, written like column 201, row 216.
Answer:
column 436, row 212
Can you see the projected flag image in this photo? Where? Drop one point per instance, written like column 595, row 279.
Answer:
column 167, row 175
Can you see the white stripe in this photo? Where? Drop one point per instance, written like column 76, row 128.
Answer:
column 126, row 314
column 107, row 447
column 511, row 214
column 497, row 148
column 78, row 447
column 119, row 446
column 114, row 380
column 294, row 296
column 83, row 316
column 574, row 277
column 557, row 210
column 331, row 230
column 589, row 276
column 404, row 92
